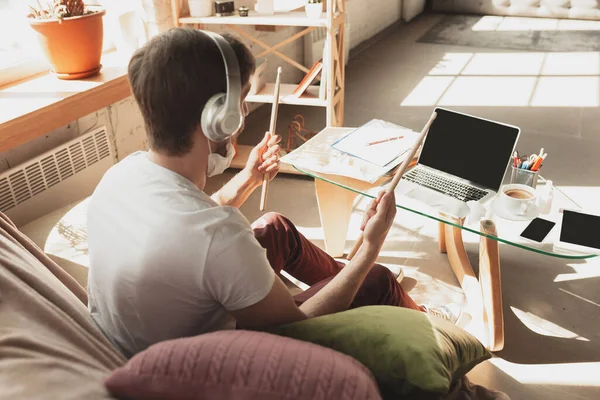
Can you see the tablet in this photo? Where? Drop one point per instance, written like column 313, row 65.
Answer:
column 579, row 232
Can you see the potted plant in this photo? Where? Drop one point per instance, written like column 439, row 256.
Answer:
column 71, row 36
column 313, row 8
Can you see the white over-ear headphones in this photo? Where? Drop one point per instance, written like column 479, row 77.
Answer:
column 222, row 114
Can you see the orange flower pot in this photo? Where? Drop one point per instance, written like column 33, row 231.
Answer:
column 74, row 45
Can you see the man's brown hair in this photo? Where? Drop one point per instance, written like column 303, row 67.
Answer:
column 173, row 76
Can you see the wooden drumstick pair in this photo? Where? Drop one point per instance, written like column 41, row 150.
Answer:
column 265, row 184
column 398, row 175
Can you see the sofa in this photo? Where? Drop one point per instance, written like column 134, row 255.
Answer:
column 571, row 9
column 50, row 348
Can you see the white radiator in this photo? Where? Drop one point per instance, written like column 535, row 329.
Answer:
column 58, row 177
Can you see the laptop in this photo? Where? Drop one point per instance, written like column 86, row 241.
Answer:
column 463, row 158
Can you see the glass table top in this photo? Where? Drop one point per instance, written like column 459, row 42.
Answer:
column 508, row 230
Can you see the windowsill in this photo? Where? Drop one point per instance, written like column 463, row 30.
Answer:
column 37, row 105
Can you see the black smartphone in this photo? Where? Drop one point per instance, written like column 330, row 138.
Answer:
column 538, row 229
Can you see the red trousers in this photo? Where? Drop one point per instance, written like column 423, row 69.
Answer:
column 288, row 250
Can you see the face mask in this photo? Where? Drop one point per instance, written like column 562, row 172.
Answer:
column 217, row 163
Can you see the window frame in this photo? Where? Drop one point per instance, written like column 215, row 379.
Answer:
column 38, row 64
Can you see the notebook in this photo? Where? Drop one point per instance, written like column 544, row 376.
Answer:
column 308, row 78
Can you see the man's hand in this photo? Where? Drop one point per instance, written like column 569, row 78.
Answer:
column 264, row 158
column 379, row 218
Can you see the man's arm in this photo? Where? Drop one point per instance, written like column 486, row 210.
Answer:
column 278, row 307
column 235, row 192
column 264, row 158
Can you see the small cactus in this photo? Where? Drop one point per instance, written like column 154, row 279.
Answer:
column 58, row 9
column 72, row 8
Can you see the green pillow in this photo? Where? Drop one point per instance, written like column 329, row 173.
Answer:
column 410, row 353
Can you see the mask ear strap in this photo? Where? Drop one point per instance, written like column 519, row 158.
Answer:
column 209, row 146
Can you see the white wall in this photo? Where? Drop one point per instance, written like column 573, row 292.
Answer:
column 123, row 122
column 123, row 119
column 367, row 18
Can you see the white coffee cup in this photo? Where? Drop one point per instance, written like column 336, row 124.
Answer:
column 517, row 199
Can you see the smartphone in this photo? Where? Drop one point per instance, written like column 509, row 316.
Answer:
column 538, row 229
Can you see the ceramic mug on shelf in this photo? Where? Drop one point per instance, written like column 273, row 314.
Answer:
column 517, row 199
column 201, row 8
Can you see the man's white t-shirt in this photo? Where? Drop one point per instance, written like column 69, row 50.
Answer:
column 165, row 260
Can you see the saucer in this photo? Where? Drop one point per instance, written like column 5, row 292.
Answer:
column 503, row 213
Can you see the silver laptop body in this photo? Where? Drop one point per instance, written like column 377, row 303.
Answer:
column 456, row 144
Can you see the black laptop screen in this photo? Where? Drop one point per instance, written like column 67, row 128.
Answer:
column 469, row 147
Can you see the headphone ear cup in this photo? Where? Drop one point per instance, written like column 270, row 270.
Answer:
column 211, row 118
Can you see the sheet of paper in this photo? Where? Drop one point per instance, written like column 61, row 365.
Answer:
column 377, row 142
column 318, row 156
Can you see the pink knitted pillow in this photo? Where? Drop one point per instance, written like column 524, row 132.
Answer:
column 241, row 365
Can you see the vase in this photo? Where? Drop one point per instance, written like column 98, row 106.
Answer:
column 313, row 10
column 73, row 46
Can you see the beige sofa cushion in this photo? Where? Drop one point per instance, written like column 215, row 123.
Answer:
column 573, row 9
column 49, row 346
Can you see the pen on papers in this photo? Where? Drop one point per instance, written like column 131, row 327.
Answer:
column 385, row 140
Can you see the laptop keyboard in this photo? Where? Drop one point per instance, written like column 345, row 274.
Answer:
column 452, row 188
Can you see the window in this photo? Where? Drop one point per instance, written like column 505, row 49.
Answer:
column 19, row 52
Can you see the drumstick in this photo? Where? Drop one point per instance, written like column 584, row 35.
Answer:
column 265, row 184
column 398, row 175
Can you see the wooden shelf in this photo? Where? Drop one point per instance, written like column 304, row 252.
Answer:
column 308, row 98
column 33, row 107
column 333, row 19
column 291, row 18
column 243, row 151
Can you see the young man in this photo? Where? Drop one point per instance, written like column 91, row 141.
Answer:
column 168, row 261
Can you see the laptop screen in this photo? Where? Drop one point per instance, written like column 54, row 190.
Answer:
column 469, row 147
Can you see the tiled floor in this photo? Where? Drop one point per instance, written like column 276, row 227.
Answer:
column 552, row 306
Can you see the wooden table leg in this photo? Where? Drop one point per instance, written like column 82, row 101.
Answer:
column 491, row 287
column 461, row 266
column 442, row 237
column 484, row 295
column 335, row 210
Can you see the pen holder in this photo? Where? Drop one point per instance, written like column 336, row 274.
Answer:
column 524, row 177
